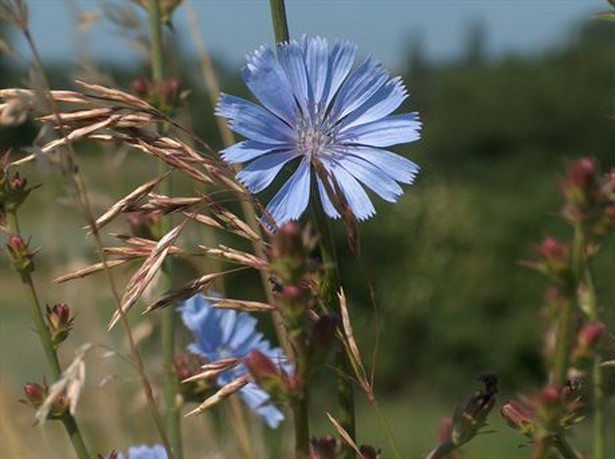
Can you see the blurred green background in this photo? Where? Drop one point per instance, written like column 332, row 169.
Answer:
column 444, row 261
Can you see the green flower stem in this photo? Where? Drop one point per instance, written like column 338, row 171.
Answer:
column 562, row 446
column 170, row 382
column 69, row 422
column 329, row 289
column 442, row 451
column 300, row 405
column 280, row 24
column 331, row 279
column 591, row 309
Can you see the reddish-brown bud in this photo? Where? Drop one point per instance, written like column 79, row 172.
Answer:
column 588, row 339
column 186, row 366
column 583, row 173
column 20, row 255
column 549, row 396
column 141, row 86
column 553, row 250
column 518, row 417
column 292, row 292
column 59, row 322
column 267, row 374
column 369, row 452
column 328, row 447
column 35, row 394
column 143, row 224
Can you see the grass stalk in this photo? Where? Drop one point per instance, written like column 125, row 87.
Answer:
column 76, row 178
column 168, row 319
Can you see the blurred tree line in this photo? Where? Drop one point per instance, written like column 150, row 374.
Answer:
column 444, row 261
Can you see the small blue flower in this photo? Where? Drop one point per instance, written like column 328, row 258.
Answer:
column 316, row 111
column 222, row 334
column 145, row 452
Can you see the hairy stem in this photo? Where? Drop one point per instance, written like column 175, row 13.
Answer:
column 170, row 382
column 69, row 422
column 73, row 173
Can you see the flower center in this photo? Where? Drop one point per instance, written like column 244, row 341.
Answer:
column 314, row 137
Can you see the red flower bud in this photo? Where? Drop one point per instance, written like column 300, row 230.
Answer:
column 518, row 417
column 59, row 322
column 20, row 255
column 553, row 250
column 328, row 447
column 141, row 86
column 266, row 373
column 35, row 394
column 583, row 173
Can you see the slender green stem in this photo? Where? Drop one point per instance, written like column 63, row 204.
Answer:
column 72, row 429
column 300, row 404
column 564, row 448
column 302, row 429
column 329, row 289
column 280, row 24
column 442, row 451
column 564, row 333
column 387, row 429
column 170, row 382
column 591, row 309
column 155, row 31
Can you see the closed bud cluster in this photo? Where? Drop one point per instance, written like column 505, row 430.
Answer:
column 290, row 268
column 59, row 322
column 327, row 447
column 545, row 413
column 588, row 339
column 35, row 395
column 589, row 196
column 467, row 421
column 186, row 366
column 20, row 255
column 164, row 95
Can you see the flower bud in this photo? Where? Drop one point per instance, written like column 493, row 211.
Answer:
column 267, row 374
column 20, row 255
column 369, row 452
column 35, row 394
column 327, row 447
column 141, row 86
column 473, row 416
column 186, row 366
column 588, row 339
column 581, row 189
column 321, row 339
column 59, row 323
column 518, row 417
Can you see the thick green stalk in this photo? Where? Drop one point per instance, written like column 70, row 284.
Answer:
column 72, row 429
column 170, row 383
column 300, row 404
column 564, row 448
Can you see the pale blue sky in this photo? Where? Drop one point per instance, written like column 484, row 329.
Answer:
column 380, row 27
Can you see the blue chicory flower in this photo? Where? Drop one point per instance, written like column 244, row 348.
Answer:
column 315, row 110
column 221, row 334
column 145, row 452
